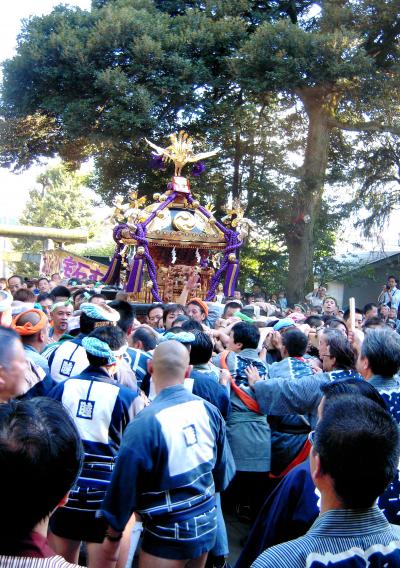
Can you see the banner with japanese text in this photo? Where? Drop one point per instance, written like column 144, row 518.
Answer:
column 70, row 265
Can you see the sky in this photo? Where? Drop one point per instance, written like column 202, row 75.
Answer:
column 11, row 14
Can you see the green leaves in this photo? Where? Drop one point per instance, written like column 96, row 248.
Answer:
column 285, row 57
column 60, row 203
column 269, row 83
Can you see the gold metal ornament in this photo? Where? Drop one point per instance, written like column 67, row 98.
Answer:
column 140, row 251
column 184, row 221
column 210, row 208
column 180, row 151
column 232, row 257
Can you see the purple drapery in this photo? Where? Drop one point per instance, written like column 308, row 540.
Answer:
column 134, row 283
column 140, row 235
column 232, row 273
column 112, row 276
column 233, row 244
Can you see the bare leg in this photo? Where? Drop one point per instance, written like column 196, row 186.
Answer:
column 147, row 560
column 94, row 553
column 65, row 547
column 199, row 562
column 125, row 543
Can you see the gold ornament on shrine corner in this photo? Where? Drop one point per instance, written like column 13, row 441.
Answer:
column 233, row 214
column 210, row 208
column 180, row 151
column 236, row 220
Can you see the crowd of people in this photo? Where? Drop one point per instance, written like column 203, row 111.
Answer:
column 139, row 431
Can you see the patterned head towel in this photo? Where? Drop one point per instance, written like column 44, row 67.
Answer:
column 185, row 337
column 282, row 323
column 61, row 304
column 29, row 328
column 101, row 349
column 101, row 313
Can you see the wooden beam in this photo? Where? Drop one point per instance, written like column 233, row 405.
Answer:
column 58, row 235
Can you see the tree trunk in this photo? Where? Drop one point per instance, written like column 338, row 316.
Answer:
column 300, row 235
column 236, row 168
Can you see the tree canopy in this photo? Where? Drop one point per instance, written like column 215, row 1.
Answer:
column 288, row 91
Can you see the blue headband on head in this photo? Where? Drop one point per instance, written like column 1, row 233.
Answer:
column 99, row 348
column 183, row 337
column 286, row 322
column 99, row 312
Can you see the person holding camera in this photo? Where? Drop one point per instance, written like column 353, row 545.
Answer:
column 390, row 294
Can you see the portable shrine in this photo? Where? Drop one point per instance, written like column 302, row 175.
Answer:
column 159, row 245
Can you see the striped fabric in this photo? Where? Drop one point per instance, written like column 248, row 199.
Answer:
column 342, row 537
column 24, row 562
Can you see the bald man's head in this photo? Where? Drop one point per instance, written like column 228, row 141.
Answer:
column 169, row 364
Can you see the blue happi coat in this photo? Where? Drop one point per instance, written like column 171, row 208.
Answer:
column 173, row 458
column 288, row 432
column 249, row 433
column 101, row 409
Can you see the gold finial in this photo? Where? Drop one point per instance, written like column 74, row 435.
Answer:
column 180, row 151
column 210, row 208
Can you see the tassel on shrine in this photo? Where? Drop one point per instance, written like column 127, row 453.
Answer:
column 232, row 273
column 135, row 278
column 112, row 276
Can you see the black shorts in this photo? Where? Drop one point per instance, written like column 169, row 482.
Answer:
column 181, row 540
column 77, row 520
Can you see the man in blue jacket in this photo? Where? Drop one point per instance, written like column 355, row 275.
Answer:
column 174, row 457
